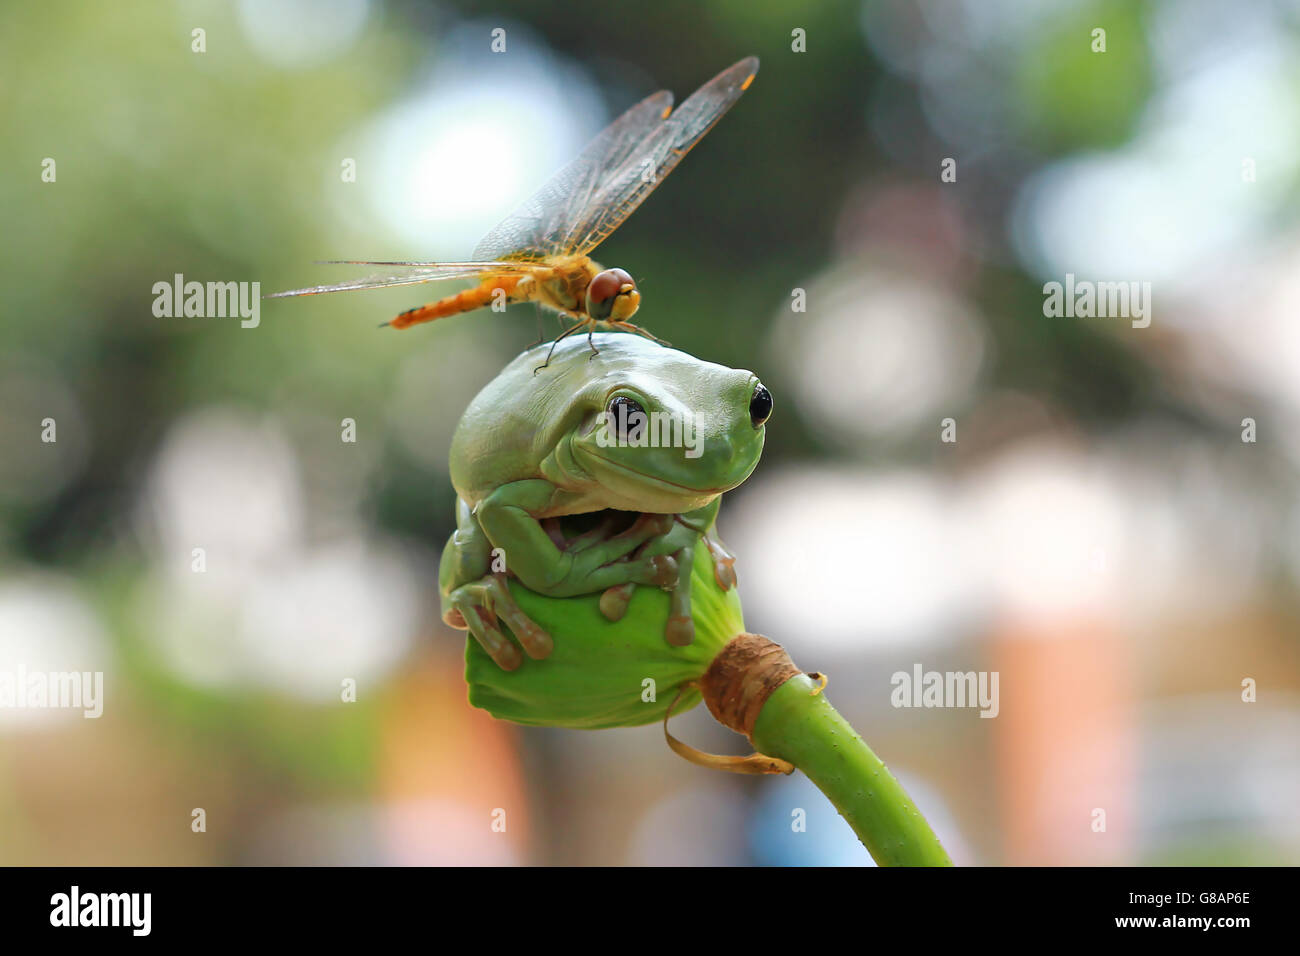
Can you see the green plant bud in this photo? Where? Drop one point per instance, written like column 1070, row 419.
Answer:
column 606, row 673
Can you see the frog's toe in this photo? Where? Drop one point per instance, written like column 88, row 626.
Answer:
column 537, row 643
column 503, row 653
column 680, row 631
column 724, row 564
column 661, row 524
column 647, row 526
column 669, row 571
column 614, row 601
column 660, row 571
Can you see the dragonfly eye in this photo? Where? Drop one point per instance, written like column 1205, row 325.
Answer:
column 606, row 289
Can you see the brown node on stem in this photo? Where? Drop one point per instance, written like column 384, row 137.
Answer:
column 741, row 679
column 735, row 687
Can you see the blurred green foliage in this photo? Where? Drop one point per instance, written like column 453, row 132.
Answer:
column 223, row 166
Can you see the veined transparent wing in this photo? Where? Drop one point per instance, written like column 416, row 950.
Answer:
column 588, row 199
column 626, row 185
column 539, row 226
column 412, row 273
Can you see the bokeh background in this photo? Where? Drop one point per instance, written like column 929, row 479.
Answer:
column 1099, row 533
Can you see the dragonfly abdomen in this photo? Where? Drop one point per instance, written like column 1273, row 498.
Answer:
column 488, row 292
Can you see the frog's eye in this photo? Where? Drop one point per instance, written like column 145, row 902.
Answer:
column 760, row 405
column 606, row 289
column 621, row 409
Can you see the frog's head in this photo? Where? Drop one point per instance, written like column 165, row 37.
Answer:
column 663, row 431
column 612, row 296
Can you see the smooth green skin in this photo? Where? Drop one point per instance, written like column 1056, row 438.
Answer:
column 527, row 449
column 802, row 727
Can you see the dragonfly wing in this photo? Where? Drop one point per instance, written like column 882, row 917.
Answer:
column 640, row 171
column 411, row 273
column 539, row 227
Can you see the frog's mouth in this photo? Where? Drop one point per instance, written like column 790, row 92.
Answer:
column 660, row 484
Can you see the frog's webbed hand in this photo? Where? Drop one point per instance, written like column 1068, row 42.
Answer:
column 506, row 516
column 481, row 603
column 680, row 541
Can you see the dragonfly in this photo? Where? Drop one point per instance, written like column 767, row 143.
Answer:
column 541, row 252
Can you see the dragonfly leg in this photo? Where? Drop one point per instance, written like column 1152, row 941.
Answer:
column 640, row 331
column 565, row 334
column 541, row 333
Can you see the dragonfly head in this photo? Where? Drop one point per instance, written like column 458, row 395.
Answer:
column 612, row 296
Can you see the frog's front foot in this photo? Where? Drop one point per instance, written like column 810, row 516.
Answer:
column 591, row 564
column 680, row 628
column 680, row 540
column 481, row 604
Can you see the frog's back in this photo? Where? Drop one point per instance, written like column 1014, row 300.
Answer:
column 496, row 440
column 518, row 418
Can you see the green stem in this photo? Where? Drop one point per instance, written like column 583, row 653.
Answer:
column 802, row 727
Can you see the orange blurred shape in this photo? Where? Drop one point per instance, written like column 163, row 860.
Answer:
column 1066, row 741
column 449, row 775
